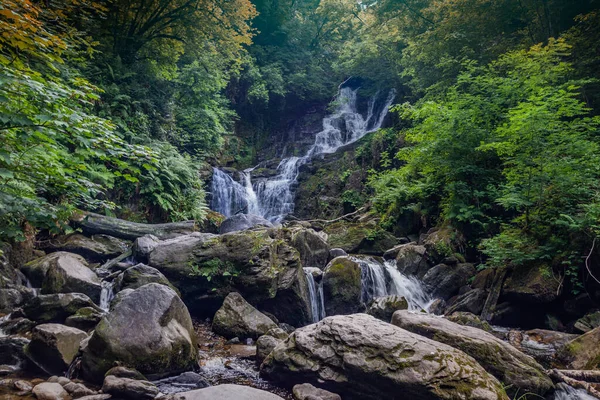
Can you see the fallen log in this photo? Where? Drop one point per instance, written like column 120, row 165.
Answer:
column 558, row 375
column 591, row 376
column 91, row 224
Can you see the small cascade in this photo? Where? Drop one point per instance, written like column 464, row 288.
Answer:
column 36, row 291
column 2, row 321
column 107, row 294
column 315, row 294
column 566, row 392
column 273, row 198
column 383, row 279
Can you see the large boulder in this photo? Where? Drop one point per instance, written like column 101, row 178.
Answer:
column 360, row 357
column 50, row 391
column 240, row 222
column 445, row 280
column 313, row 249
column 521, row 372
column 69, row 273
column 471, row 301
column 96, row 248
column 267, row 342
column 237, row 318
column 582, row 352
column 411, row 259
column 531, row 284
column 85, row 318
column 140, row 275
column 359, row 237
column 342, row 286
column 36, row 270
column 148, row 329
column 225, row 392
column 54, row 346
column 56, row 307
column 259, row 264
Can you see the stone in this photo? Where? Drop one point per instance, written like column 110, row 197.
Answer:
column 77, row 390
column 240, row 222
column 266, row 343
column 337, row 252
column 484, row 279
column 520, row 372
column 360, row 357
column 469, row 319
column 588, row 322
column 140, row 275
column 85, row 318
column 96, row 397
column 472, row 302
column 16, row 326
column 97, row 248
column 306, row 391
column 50, row 391
column 445, row 280
column 342, row 286
column 360, row 238
column 582, row 352
column 69, row 273
column 411, row 259
column 437, row 307
column 540, row 344
column 314, row 251
column 53, row 346
column 237, row 318
column 225, row 392
column 12, row 351
column 129, row 388
column 188, row 380
column 23, row 386
column 148, row 329
column 122, row 372
column 56, row 307
column 143, row 246
column 14, row 297
column 384, row 307
column 441, row 243
column 532, row 284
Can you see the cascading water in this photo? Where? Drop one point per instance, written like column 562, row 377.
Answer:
column 273, row 198
column 383, row 279
column 315, row 294
column 565, row 392
column 106, row 294
column 2, row 320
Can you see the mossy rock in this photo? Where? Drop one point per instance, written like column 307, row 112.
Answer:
column 582, row 352
column 532, row 284
column 360, row 238
column 342, row 287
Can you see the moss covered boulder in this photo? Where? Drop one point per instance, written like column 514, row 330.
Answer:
column 582, row 352
column 533, row 284
column 237, row 318
column 54, row 346
column 69, row 273
column 140, row 275
column 57, row 307
column 360, row 237
column 148, row 329
column 361, row 357
column 342, row 287
column 519, row 372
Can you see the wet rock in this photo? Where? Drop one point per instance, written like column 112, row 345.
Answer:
column 56, row 307
column 96, row 397
column 588, row 322
column 360, row 357
column 240, row 222
column 182, row 383
column 469, row 319
column 384, row 307
column 437, row 307
column 148, row 329
column 225, row 392
column 342, row 286
column 266, row 343
column 69, row 273
column 472, row 302
column 411, row 259
column 541, row 344
column 53, row 346
column 337, row 252
column 306, row 391
column 12, row 352
column 16, row 326
column 237, row 318
column 445, row 280
column 129, row 388
column 360, row 238
column 123, row 372
column 531, row 284
column 97, row 248
column 314, row 251
column 14, row 297
column 50, row 391
column 77, row 390
column 582, row 352
column 140, row 275
column 521, row 372
column 23, row 386
column 85, row 318
column 143, row 246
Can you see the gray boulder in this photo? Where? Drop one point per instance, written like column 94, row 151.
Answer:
column 50, row 391
column 127, row 388
column 140, row 275
column 69, row 273
column 148, row 329
column 53, row 346
column 56, row 307
column 384, row 307
column 225, row 392
column 471, row 301
column 445, row 280
column 14, row 297
column 314, row 251
column 143, row 246
column 267, row 342
column 411, row 259
column 342, row 286
column 85, row 318
column 521, row 372
column 237, row 318
column 241, row 222
column 360, row 357
column 306, row 391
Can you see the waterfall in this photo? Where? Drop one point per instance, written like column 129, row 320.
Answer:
column 315, row 296
column 273, row 198
column 383, row 279
column 106, row 295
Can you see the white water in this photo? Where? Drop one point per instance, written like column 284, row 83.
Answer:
column 383, row 279
column 315, row 294
column 273, row 198
column 565, row 392
column 106, row 295
column 2, row 320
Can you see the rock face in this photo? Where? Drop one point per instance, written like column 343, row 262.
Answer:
column 148, row 329
column 445, row 280
column 140, row 275
column 360, row 357
column 56, row 307
column 53, row 346
column 237, row 318
column 96, row 248
column 259, row 264
column 359, row 238
column 69, row 273
column 506, row 363
column 582, row 352
column 242, row 222
column 225, row 392
column 342, row 286
column 384, row 307
column 531, row 284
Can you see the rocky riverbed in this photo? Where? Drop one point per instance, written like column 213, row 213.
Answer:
column 274, row 312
